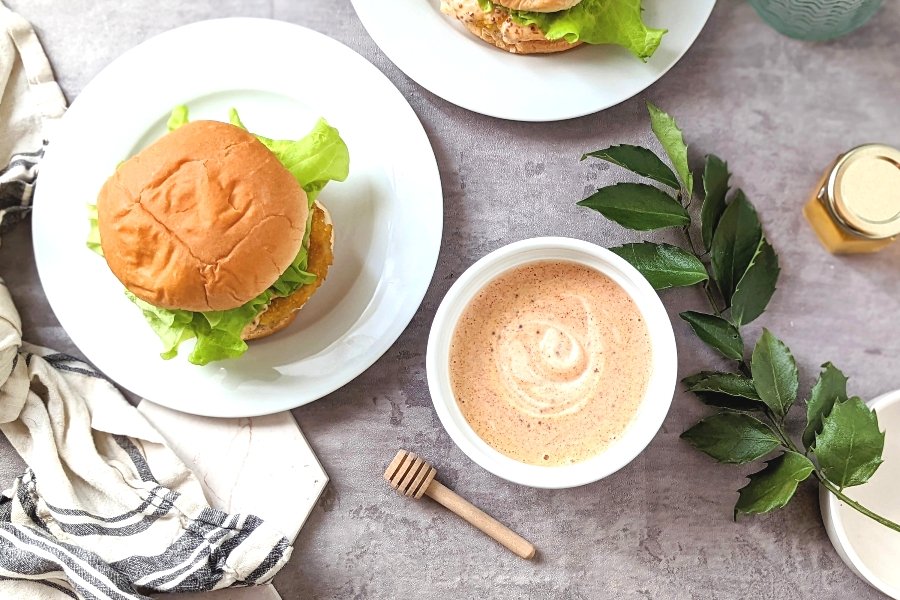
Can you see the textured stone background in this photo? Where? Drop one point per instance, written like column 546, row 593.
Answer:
column 778, row 110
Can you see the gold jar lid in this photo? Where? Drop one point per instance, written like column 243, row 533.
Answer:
column 863, row 191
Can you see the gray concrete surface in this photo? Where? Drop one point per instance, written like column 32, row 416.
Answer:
column 778, row 110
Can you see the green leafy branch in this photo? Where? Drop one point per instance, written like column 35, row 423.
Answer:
column 728, row 254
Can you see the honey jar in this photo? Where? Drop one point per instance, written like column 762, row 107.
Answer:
column 855, row 207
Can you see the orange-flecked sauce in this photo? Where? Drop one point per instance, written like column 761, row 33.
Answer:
column 549, row 362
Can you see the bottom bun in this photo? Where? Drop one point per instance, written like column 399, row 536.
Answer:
column 498, row 29
column 281, row 312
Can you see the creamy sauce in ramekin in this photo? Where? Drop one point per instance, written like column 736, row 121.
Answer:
column 549, row 362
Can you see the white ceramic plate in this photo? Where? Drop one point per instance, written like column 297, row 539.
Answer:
column 443, row 57
column 869, row 549
column 387, row 216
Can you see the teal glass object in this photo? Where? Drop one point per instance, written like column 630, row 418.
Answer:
column 816, row 20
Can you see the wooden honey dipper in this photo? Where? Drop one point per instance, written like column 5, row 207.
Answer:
column 412, row 476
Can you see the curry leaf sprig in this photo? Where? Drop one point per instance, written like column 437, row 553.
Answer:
column 728, row 254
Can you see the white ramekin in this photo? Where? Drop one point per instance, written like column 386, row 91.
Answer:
column 835, row 524
column 652, row 410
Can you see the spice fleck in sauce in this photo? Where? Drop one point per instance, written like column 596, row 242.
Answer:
column 549, row 362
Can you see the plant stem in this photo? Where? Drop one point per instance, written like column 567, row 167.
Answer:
column 712, row 301
column 788, row 442
column 854, row 504
column 690, row 241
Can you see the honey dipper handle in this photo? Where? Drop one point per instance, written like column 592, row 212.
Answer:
column 480, row 519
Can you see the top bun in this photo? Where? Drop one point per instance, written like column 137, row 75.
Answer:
column 538, row 5
column 205, row 218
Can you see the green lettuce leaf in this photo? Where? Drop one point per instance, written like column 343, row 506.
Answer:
column 172, row 326
column 486, row 5
column 178, row 118
column 93, row 240
column 616, row 22
column 314, row 160
column 218, row 333
column 296, row 275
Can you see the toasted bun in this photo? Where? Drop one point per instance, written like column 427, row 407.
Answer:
column 281, row 312
column 498, row 29
column 538, row 5
column 206, row 218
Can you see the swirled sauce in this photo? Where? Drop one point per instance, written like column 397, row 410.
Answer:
column 549, row 362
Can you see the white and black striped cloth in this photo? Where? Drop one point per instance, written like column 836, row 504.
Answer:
column 31, row 103
column 105, row 510
column 195, row 561
column 17, row 181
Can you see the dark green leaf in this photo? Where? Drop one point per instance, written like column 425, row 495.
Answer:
column 734, row 438
column 692, row 379
column 637, row 206
column 715, row 187
column 720, row 400
column 774, row 486
column 718, row 333
column 774, row 373
column 734, row 244
column 850, row 445
column 663, row 265
column 731, row 384
column 756, row 287
column 638, row 160
column 669, row 135
column 831, row 387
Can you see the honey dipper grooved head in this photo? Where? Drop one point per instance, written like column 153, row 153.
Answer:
column 409, row 474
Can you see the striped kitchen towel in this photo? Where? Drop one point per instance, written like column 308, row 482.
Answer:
column 105, row 510
column 30, row 105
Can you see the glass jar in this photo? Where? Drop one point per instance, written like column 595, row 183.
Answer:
column 816, row 20
column 856, row 205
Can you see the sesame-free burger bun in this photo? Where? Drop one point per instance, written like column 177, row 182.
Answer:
column 204, row 219
column 538, row 5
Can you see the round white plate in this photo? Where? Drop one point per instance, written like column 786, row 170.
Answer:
column 443, row 57
column 869, row 549
column 387, row 216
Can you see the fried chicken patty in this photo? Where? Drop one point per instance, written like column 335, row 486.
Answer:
column 281, row 312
